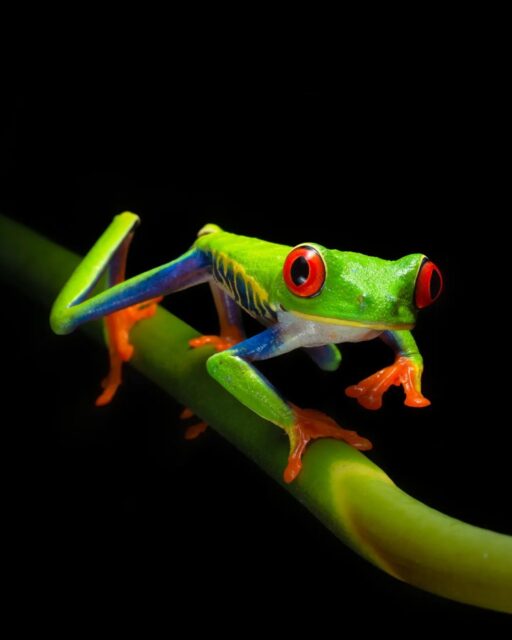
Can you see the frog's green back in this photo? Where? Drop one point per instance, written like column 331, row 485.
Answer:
column 356, row 289
column 246, row 267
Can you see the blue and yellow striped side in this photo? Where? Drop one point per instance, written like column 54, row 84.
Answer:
column 244, row 289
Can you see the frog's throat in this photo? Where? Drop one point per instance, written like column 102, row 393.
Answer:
column 379, row 326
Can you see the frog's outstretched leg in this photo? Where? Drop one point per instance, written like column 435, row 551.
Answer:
column 406, row 371
column 121, row 303
column 234, row 371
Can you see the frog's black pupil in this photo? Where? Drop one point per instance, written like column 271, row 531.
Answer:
column 435, row 285
column 300, row 271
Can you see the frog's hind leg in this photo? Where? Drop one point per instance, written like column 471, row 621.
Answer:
column 125, row 302
column 119, row 324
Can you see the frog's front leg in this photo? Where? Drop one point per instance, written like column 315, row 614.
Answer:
column 406, row 371
column 234, row 371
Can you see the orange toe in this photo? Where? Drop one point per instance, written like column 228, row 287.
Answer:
column 220, row 343
column 310, row 425
column 107, row 395
column 195, row 430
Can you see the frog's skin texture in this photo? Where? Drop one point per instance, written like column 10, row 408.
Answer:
column 306, row 297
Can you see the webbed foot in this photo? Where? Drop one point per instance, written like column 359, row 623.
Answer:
column 118, row 326
column 404, row 371
column 310, row 425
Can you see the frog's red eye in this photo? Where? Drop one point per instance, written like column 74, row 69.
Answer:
column 429, row 284
column 304, row 271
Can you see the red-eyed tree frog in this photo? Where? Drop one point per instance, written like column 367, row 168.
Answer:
column 306, row 297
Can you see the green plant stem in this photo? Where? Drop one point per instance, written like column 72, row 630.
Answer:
column 343, row 488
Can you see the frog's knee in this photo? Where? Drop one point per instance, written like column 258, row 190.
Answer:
column 216, row 364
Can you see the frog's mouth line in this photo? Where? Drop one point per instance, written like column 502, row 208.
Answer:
column 353, row 323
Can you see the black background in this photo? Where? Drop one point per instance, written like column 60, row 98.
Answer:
column 115, row 497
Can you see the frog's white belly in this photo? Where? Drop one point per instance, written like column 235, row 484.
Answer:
column 308, row 333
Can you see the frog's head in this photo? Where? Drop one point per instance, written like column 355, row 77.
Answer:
column 340, row 287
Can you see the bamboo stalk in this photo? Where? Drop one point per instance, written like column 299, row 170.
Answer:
column 344, row 489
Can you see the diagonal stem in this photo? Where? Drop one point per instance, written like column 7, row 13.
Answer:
column 344, row 489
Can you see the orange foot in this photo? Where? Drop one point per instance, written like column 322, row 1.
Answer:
column 309, row 425
column 118, row 326
column 221, row 343
column 194, row 430
column 403, row 372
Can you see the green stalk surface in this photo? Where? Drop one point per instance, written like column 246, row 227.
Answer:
column 351, row 495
